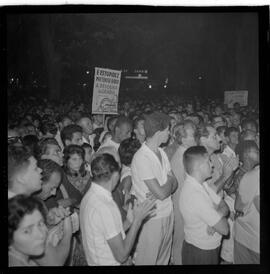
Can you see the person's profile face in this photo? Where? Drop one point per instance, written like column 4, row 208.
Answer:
column 206, row 167
column 213, row 139
column 30, row 237
column 77, row 139
column 49, row 188
column 125, row 131
column 31, row 176
column 55, row 154
column 234, row 138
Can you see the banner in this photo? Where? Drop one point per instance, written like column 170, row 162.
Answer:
column 106, row 90
column 239, row 96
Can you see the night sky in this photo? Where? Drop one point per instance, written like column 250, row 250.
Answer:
column 205, row 52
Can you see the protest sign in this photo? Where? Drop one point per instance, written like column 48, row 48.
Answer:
column 106, row 90
column 239, row 96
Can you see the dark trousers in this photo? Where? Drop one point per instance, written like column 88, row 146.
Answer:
column 192, row 255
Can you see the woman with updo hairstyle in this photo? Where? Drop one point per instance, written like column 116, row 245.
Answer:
column 27, row 231
column 74, row 168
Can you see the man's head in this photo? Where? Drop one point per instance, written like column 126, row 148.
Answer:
column 197, row 163
column 221, row 133
column 72, row 134
column 232, row 136
column 50, row 149
column 235, row 119
column 209, row 138
column 105, row 171
column 23, row 173
column 218, row 121
column 184, row 133
column 48, row 129
column 248, row 152
column 138, row 128
column 86, row 125
column 64, row 121
column 249, row 124
column 51, row 178
column 157, row 125
column 122, row 129
column 218, row 110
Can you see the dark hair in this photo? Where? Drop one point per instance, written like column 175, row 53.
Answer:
column 18, row 157
column 31, row 143
column 70, row 150
column 103, row 166
column 191, row 155
column 48, row 127
column 229, row 130
column 127, row 149
column 43, row 145
column 110, row 121
column 120, row 121
column 68, row 131
column 86, row 145
column 244, row 148
column 48, row 168
column 154, row 122
column 18, row 207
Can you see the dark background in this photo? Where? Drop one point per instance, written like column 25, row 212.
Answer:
column 201, row 53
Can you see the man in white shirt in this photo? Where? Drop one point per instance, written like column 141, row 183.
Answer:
column 104, row 239
column 187, row 138
column 122, row 130
column 247, row 226
column 87, row 130
column 232, row 137
column 203, row 211
column 151, row 174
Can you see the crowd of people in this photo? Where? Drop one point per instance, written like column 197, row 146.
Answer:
column 167, row 181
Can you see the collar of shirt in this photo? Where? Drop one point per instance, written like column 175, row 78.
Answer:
column 101, row 191
column 194, row 182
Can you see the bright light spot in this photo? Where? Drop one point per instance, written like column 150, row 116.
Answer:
column 84, row 85
column 165, row 86
column 87, row 72
column 200, row 77
column 150, row 86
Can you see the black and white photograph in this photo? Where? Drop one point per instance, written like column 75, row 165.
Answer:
column 134, row 134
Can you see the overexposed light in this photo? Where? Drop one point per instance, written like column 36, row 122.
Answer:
column 150, row 86
column 87, row 72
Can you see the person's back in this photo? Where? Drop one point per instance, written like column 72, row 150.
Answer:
column 247, row 226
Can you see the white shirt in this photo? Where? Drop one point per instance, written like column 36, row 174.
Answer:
column 228, row 152
column 145, row 166
column 198, row 211
column 247, row 228
column 100, row 220
column 58, row 139
column 90, row 140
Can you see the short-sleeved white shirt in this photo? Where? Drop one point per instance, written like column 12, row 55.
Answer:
column 100, row 220
column 198, row 211
column 247, row 228
column 145, row 166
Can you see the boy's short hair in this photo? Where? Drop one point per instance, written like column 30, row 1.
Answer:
column 154, row 122
column 191, row 155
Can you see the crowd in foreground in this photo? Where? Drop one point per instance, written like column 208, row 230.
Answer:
column 162, row 183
